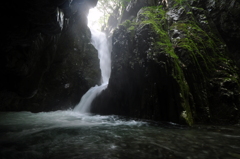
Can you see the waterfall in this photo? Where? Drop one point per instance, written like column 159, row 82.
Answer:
column 99, row 41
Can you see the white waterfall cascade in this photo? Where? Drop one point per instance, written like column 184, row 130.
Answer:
column 99, row 41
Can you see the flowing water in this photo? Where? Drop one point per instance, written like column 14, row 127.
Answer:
column 72, row 135
column 99, row 41
column 87, row 98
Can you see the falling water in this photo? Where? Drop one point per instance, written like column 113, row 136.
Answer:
column 99, row 41
column 74, row 134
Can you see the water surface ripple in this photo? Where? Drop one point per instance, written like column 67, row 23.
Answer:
column 71, row 135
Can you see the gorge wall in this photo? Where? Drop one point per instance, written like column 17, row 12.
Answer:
column 175, row 60
column 172, row 60
column 47, row 61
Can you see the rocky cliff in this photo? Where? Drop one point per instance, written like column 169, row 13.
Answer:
column 47, row 61
column 172, row 60
column 175, row 60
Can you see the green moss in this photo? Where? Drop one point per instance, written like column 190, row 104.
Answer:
column 181, row 2
column 129, row 26
column 127, row 23
column 155, row 17
column 200, row 48
column 207, row 53
column 184, row 92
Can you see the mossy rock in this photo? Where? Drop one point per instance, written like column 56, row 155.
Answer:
column 175, row 67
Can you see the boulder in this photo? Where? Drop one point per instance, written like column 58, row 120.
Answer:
column 171, row 63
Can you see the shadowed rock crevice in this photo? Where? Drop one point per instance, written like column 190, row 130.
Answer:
column 171, row 61
column 47, row 61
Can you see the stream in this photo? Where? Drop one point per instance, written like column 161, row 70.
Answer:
column 77, row 134
column 72, row 135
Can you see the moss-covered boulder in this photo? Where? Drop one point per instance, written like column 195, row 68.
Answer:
column 170, row 63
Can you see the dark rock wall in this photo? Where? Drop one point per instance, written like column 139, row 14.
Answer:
column 172, row 60
column 175, row 61
column 226, row 17
column 47, row 61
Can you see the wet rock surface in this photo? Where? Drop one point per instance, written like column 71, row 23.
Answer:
column 174, row 62
column 171, row 60
column 47, row 61
column 226, row 16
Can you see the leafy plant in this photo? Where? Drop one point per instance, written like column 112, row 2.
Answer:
column 111, row 7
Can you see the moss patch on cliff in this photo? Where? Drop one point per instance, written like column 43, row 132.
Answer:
column 174, row 60
column 191, row 45
column 205, row 55
column 155, row 18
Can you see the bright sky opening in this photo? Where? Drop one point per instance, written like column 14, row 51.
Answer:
column 93, row 18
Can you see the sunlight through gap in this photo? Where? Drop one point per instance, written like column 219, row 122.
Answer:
column 93, row 18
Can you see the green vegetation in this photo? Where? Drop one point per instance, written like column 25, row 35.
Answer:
column 129, row 25
column 109, row 7
column 206, row 52
column 195, row 54
column 199, row 47
column 181, row 2
column 155, row 17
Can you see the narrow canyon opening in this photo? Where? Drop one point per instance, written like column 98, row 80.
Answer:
column 119, row 79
